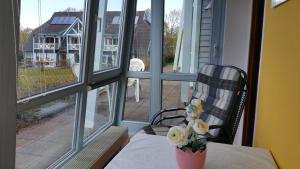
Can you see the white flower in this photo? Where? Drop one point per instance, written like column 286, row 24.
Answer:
column 197, row 106
column 194, row 110
column 177, row 136
column 200, row 127
column 196, row 102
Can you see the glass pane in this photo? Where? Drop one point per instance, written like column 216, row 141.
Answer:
column 45, row 133
column 172, row 34
column 141, row 38
column 108, row 35
column 176, row 94
column 50, row 45
column 137, row 103
column 188, row 56
column 100, row 108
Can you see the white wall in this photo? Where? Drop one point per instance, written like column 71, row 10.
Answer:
column 236, row 39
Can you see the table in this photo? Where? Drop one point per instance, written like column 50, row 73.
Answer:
column 154, row 152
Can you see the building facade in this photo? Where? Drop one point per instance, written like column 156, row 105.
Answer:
column 58, row 41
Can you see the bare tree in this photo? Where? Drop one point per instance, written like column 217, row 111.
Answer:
column 173, row 21
column 171, row 28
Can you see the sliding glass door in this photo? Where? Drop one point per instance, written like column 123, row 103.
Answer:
column 172, row 40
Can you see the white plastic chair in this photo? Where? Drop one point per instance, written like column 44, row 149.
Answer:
column 136, row 65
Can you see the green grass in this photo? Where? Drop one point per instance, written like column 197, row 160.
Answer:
column 32, row 81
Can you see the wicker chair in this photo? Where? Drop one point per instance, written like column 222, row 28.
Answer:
column 223, row 91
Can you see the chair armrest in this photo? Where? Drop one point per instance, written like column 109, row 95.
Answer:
column 168, row 118
column 215, row 127
column 154, row 117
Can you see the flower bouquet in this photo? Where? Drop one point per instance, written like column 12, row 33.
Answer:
column 190, row 141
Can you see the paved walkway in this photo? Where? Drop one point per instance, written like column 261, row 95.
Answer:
column 42, row 144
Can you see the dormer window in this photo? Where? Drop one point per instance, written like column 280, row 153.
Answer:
column 116, row 20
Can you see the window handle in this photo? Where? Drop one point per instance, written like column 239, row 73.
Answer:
column 99, row 20
column 209, row 5
column 215, row 50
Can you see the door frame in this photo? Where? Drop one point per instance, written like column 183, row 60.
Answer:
column 156, row 74
column 258, row 8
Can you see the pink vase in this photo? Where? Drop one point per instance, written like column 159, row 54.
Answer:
column 190, row 160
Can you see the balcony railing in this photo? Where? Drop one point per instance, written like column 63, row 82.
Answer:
column 45, row 46
column 74, row 46
column 110, row 47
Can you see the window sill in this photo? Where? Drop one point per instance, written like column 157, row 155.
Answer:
column 101, row 150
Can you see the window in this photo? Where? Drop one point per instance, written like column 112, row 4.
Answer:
column 99, row 109
column 45, row 133
column 173, row 31
column 137, row 87
column 173, row 57
column 49, row 40
column 62, row 102
column 137, row 101
column 189, row 40
column 78, row 91
column 108, row 41
column 115, row 41
column 173, row 95
column 74, row 40
column 141, row 39
column 116, row 20
column 44, row 66
column 110, row 26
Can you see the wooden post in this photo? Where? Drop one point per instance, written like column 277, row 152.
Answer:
column 8, row 34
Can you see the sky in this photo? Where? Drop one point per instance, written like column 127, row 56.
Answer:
column 29, row 8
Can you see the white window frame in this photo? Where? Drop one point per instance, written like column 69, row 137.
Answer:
column 10, row 105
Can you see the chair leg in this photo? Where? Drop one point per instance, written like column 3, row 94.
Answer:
column 137, row 91
column 140, row 91
column 109, row 99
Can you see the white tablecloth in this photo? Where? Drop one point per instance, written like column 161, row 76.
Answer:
column 154, row 152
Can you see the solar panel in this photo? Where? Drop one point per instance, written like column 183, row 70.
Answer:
column 63, row 20
column 116, row 20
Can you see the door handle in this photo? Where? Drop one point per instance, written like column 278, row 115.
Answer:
column 99, row 20
column 215, row 50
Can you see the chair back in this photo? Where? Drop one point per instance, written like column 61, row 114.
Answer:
column 136, row 65
column 223, row 90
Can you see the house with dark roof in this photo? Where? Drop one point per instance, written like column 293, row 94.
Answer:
column 58, row 41
column 141, row 39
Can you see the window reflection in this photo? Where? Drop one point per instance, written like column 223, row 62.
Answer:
column 100, row 108
column 45, row 133
column 108, row 35
column 50, row 46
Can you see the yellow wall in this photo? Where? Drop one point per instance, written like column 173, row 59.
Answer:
column 278, row 116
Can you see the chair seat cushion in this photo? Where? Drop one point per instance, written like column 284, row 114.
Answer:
column 217, row 87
